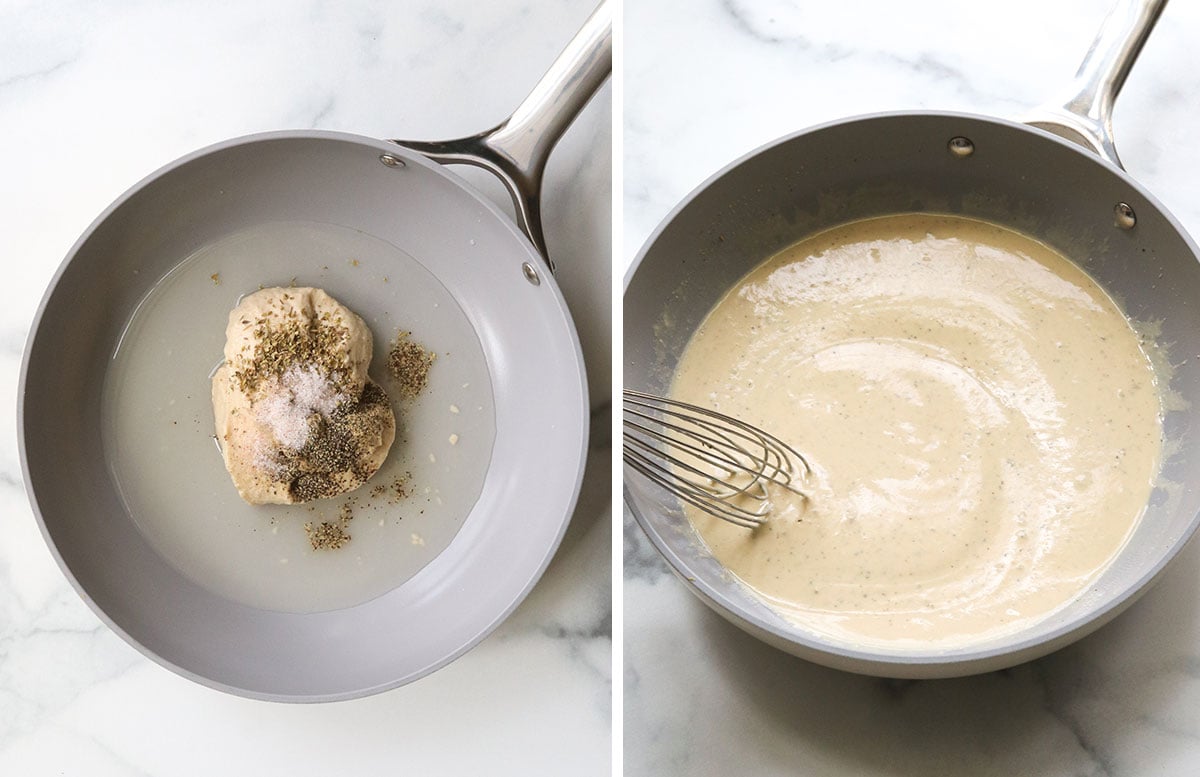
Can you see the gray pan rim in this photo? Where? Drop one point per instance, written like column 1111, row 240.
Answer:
column 961, row 660
column 547, row 280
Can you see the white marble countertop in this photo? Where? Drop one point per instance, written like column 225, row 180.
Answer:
column 95, row 96
column 702, row 698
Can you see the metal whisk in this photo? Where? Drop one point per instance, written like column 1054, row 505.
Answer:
column 710, row 460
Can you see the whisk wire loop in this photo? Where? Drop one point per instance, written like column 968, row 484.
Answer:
column 717, row 463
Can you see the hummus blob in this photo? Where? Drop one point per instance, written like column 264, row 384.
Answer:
column 297, row 417
column 983, row 425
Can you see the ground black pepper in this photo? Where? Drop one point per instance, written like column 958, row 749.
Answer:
column 340, row 444
column 327, row 536
column 408, row 364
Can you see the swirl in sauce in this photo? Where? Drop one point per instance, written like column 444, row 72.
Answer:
column 983, row 425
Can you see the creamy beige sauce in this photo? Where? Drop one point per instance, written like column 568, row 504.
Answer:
column 983, row 426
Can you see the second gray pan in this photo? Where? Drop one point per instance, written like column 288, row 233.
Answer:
column 532, row 358
column 858, row 168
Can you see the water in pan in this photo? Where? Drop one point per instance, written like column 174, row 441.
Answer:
column 158, row 423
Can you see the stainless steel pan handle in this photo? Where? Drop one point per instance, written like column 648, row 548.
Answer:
column 516, row 150
column 1085, row 117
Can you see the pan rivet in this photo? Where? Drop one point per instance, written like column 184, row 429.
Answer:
column 960, row 146
column 391, row 161
column 1123, row 216
column 531, row 274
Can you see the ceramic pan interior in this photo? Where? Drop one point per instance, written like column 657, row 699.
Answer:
column 533, row 361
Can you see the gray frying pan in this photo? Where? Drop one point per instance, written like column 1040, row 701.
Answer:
column 405, row 243
column 1057, row 178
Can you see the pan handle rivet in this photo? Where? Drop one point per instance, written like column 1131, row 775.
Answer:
column 531, row 274
column 391, row 161
column 961, row 147
column 1123, row 216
